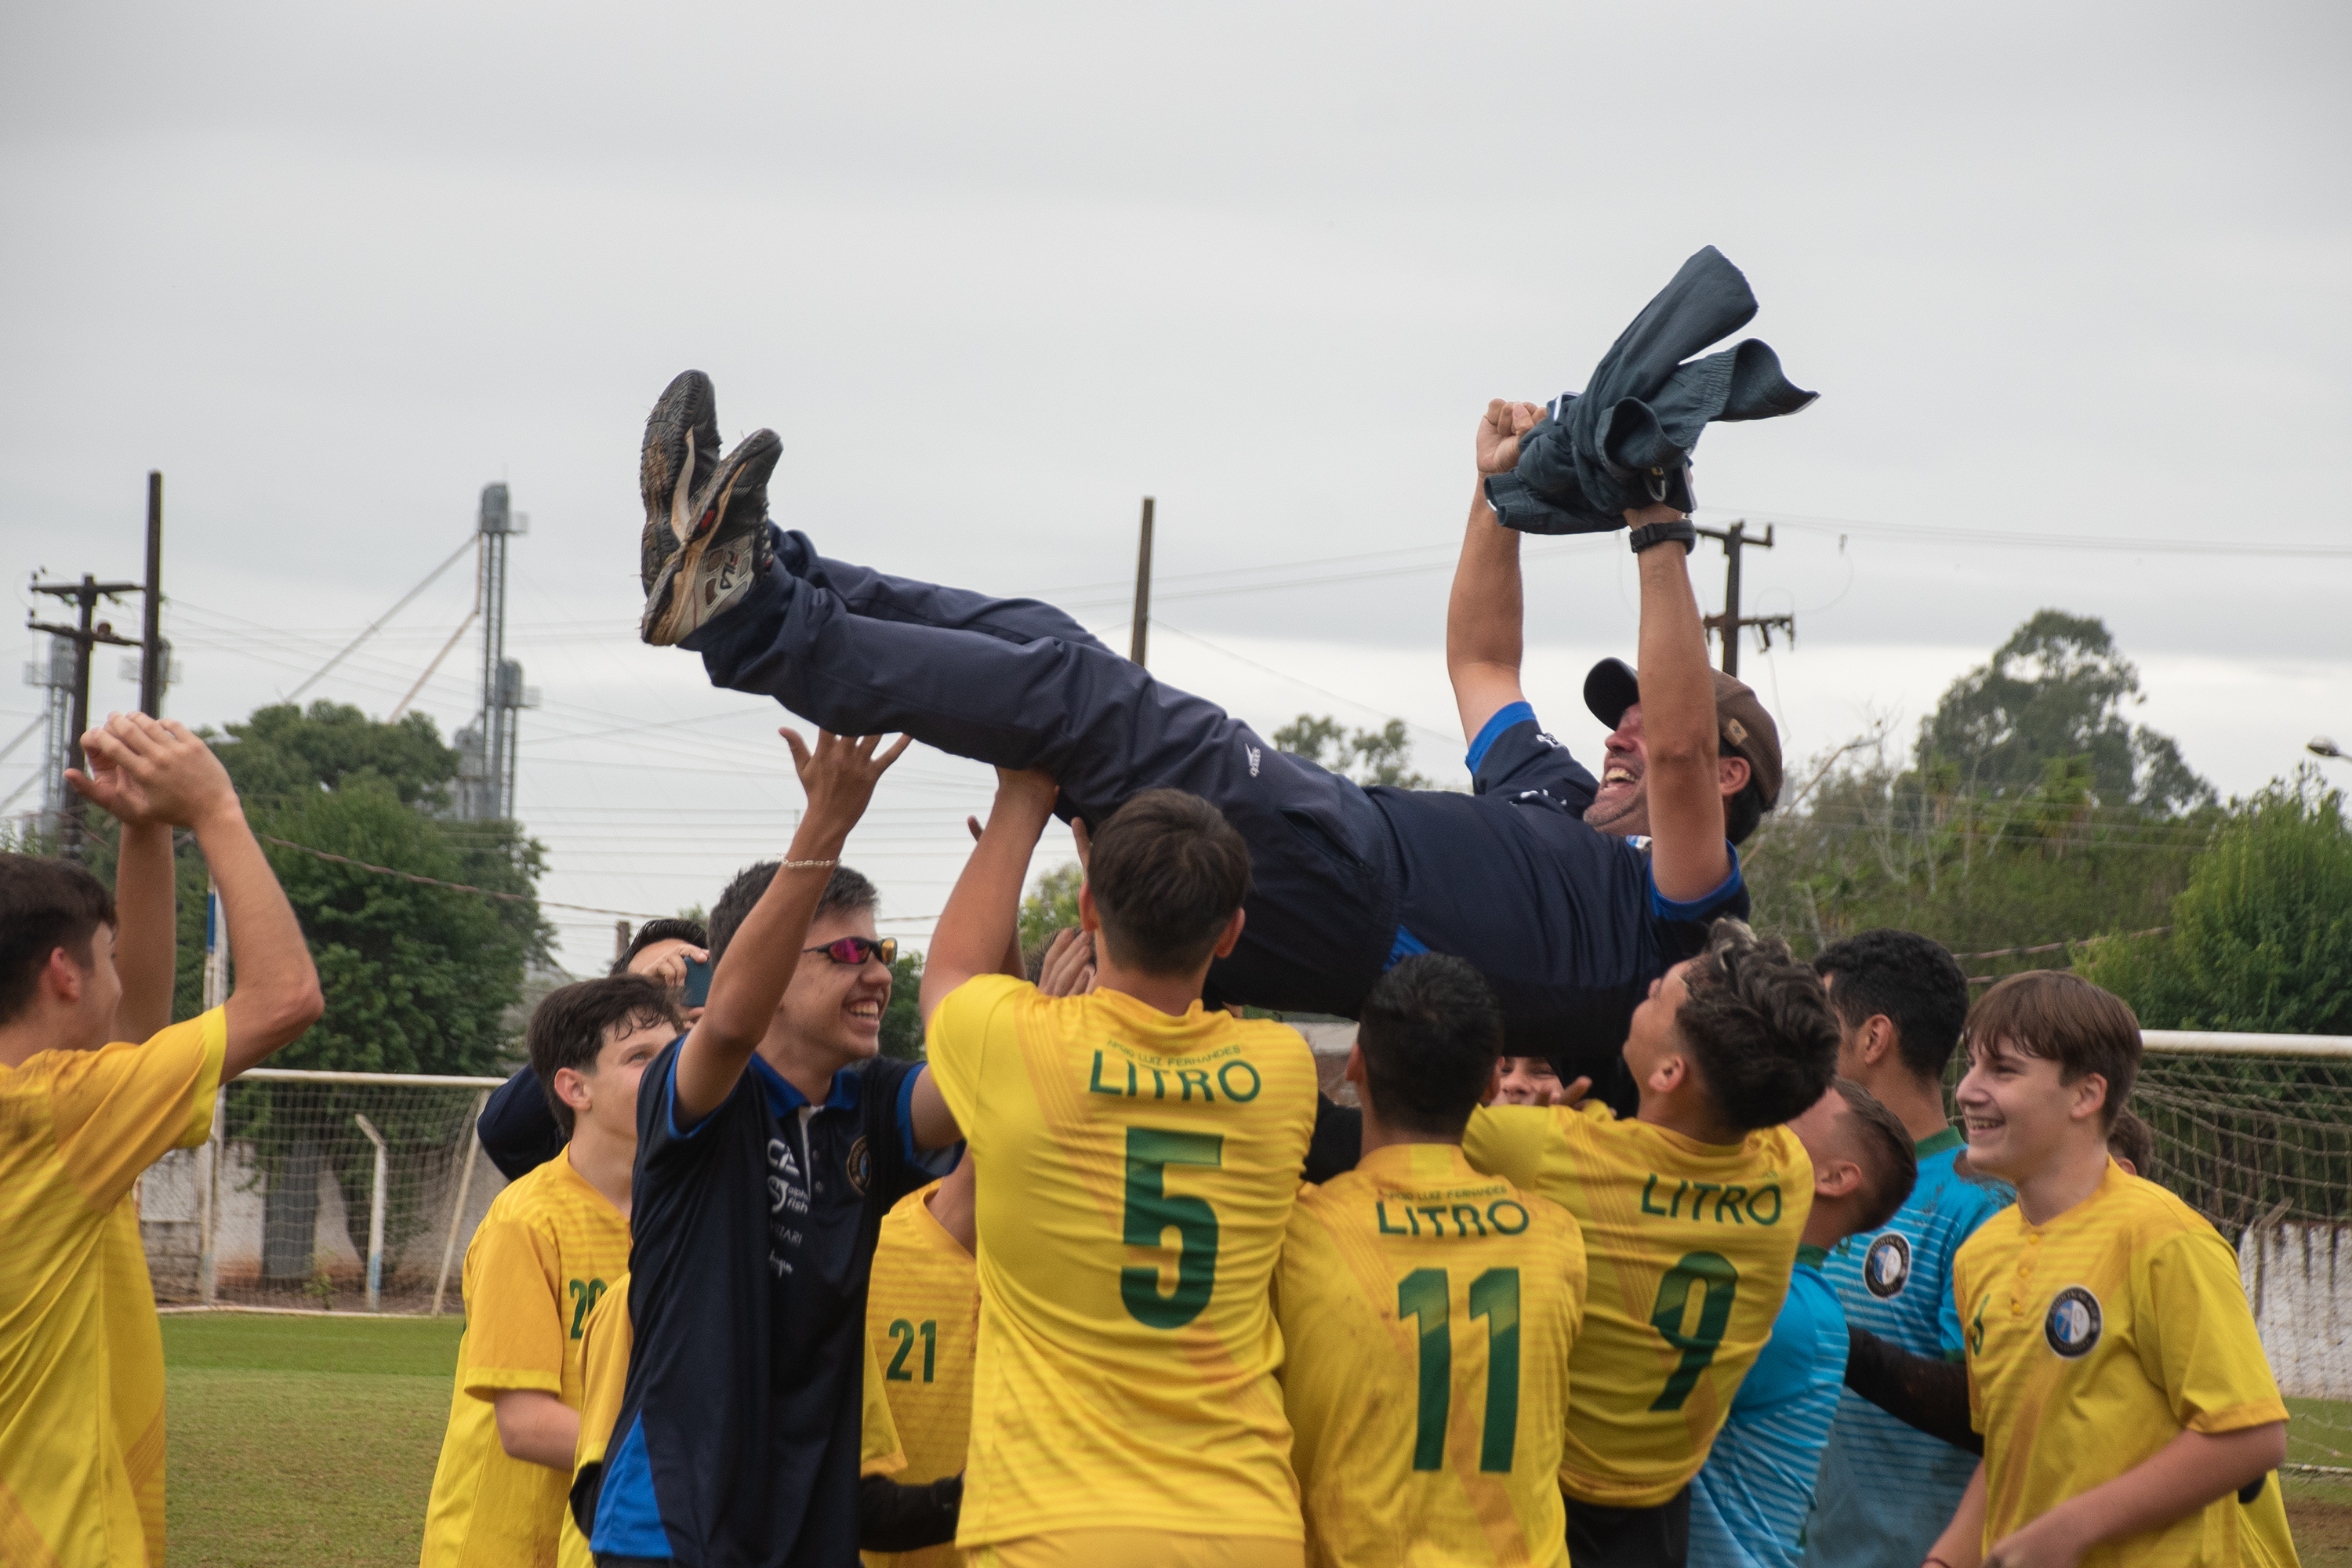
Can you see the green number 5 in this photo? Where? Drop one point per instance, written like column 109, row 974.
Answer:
column 1426, row 1296
column 1153, row 1211
column 1712, row 1274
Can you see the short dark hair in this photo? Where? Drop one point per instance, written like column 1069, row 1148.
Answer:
column 1914, row 983
column 1759, row 1029
column 652, row 931
column 1430, row 1032
column 569, row 1027
column 2059, row 1016
column 1889, row 1156
column 1167, row 872
column 2129, row 1138
column 44, row 905
column 844, row 890
column 1744, row 811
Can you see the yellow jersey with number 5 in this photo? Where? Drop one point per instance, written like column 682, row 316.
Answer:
column 1136, row 1170
column 1690, row 1246
column 1426, row 1316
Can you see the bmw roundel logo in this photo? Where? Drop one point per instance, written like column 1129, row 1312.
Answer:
column 2073, row 1324
column 1887, row 1267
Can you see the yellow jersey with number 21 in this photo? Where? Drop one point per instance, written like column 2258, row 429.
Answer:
column 1136, row 1172
column 1690, row 1246
column 922, row 1325
column 1426, row 1313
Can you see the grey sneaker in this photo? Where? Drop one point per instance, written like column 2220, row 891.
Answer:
column 723, row 547
column 680, row 456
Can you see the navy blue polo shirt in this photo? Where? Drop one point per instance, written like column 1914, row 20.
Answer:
column 1562, row 918
column 753, row 1231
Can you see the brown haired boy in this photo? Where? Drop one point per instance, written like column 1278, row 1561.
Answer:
column 2128, row 1413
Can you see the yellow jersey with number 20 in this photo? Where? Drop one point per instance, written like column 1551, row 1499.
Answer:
column 2096, row 1340
column 1690, row 1248
column 1426, row 1313
column 1136, row 1172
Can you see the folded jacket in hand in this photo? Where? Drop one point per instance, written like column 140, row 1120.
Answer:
column 1627, row 440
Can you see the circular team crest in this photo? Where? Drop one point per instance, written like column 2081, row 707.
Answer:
column 2073, row 1324
column 861, row 1165
column 1887, row 1267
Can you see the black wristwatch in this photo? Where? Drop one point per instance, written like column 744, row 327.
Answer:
column 1680, row 530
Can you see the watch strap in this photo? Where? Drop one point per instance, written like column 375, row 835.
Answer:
column 1655, row 534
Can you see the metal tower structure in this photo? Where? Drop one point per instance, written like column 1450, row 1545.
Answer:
column 486, row 776
column 54, row 674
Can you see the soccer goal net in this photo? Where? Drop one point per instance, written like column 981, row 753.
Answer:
column 323, row 1190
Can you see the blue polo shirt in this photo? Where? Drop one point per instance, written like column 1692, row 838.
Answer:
column 753, row 1241
column 1749, row 1500
column 1562, row 918
column 1887, row 1489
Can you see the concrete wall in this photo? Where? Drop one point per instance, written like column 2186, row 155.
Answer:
column 2299, row 1279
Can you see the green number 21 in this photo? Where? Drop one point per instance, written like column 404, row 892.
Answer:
column 1426, row 1295
column 904, row 1333
column 1152, row 1212
column 1712, row 1274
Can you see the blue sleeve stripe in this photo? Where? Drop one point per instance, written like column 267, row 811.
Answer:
column 1404, row 947
column 669, row 1099
column 1668, row 908
column 1510, row 713
column 907, row 1116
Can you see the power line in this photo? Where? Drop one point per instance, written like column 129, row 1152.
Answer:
column 453, row 887
column 430, row 578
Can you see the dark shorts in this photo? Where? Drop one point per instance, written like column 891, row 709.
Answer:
column 1600, row 1537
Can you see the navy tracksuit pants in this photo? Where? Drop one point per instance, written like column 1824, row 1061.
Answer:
column 1018, row 684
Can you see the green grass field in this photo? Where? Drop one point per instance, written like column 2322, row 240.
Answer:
column 301, row 1441
column 298, row 1441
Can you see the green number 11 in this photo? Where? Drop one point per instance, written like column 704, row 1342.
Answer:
column 1426, row 1296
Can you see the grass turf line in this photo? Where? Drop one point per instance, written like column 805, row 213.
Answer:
column 302, row 1441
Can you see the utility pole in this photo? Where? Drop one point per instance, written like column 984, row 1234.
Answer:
column 85, row 593
column 155, row 656
column 1142, row 587
column 1729, row 624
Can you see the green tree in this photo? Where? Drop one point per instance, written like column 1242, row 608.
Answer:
column 902, row 1021
column 2262, row 936
column 1381, row 756
column 1052, row 904
column 2056, row 688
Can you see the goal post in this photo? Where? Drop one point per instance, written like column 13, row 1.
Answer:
column 322, row 1190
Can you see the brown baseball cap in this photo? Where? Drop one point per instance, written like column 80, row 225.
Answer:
column 1742, row 725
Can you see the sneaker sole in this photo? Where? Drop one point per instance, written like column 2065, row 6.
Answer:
column 683, row 426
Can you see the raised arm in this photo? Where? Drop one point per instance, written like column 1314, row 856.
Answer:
column 146, row 929
column 984, row 911
column 1688, row 857
column 277, row 994
column 839, row 776
column 1484, row 613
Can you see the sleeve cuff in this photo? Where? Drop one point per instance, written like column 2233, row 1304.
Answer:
column 1504, row 717
column 669, row 1102
column 2237, row 1418
column 933, row 1162
column 1668, row 908
column 199, row 1129
column 488, row 1382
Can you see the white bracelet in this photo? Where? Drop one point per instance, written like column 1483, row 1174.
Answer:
column 807, row 865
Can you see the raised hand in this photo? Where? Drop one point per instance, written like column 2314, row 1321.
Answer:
column 840, row 774
column 1069, row 967
column 152, row 769
column 1500, row 431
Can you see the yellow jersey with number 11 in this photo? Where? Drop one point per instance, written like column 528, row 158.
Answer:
column 1136, row 1172
column 1426, row 1313
column 1690, row 1248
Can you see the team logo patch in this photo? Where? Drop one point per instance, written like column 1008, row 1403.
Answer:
column 861, row 1165
column 1887, row 1267
column 2073, row 1324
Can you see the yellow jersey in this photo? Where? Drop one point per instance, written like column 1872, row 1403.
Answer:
column 1426, row 1315
column 544, row 1254
column 81, row 1353
column 922, row 1326
column 1136, row 1172
column 2092, row 1343
column 1690, row 1246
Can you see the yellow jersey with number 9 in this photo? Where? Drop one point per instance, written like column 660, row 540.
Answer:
column 1426, row 1315
column 1136, row 1170
column 1690, row 1246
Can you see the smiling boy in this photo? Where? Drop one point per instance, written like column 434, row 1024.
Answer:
column 2113, row 1369
column 551, row 1246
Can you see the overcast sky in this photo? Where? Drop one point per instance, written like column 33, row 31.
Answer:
column 995, row 273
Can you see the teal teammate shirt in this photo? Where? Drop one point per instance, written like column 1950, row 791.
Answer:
column 1886, row 1491
column 1747, row 1502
